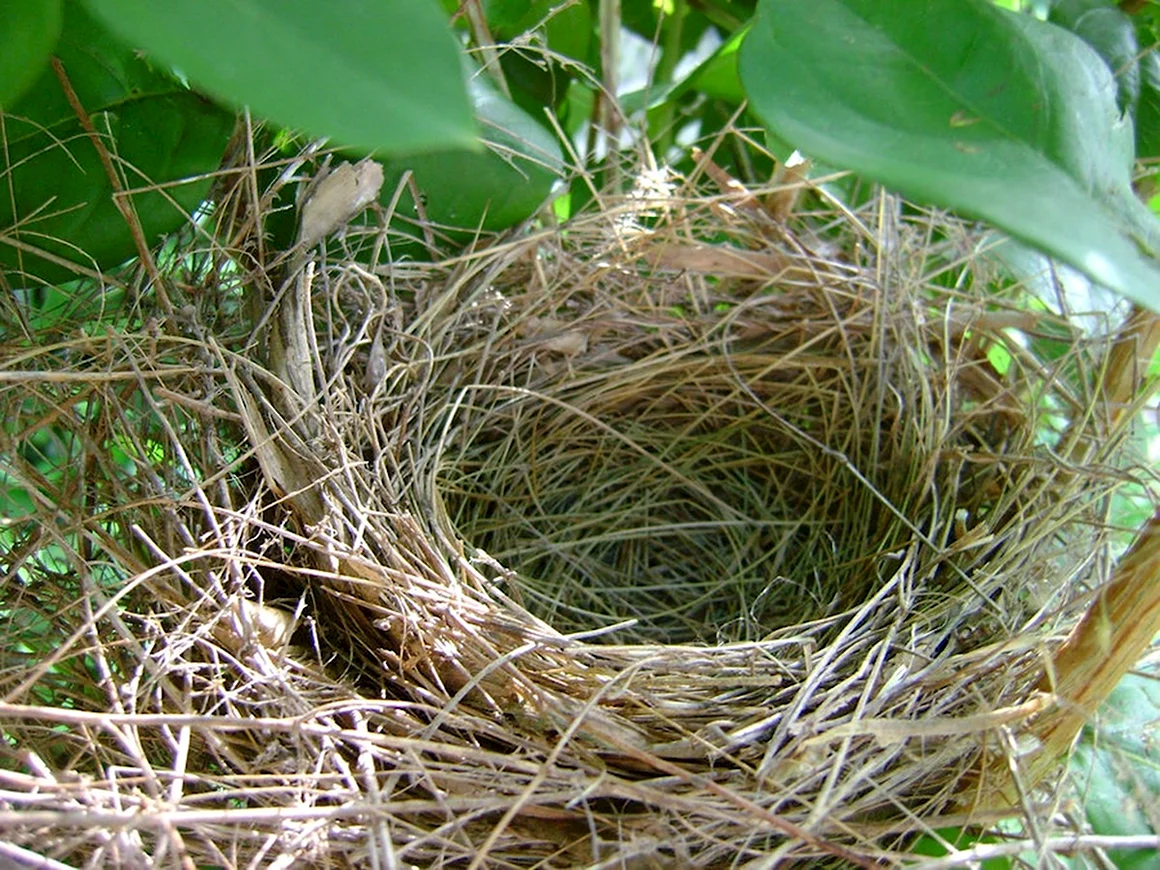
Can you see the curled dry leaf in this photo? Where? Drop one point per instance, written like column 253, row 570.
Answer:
column 791, row 178
column 338, row 196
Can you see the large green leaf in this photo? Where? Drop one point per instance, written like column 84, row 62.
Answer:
column 715, row 77
column 1128, row 46
column 101, row 70
column 967, row 106
column 383, row 76
column 488, row 191
column 567, row 26
column 1112, row 34
column 28, row 31
column 1148, row 108
column 58, row 197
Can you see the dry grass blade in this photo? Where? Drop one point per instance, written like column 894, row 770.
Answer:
column 581, row 549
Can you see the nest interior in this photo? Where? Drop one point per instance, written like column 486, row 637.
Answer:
column 674, row 536
column 704, row 474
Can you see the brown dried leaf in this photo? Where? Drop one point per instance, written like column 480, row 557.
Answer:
column 337, row 197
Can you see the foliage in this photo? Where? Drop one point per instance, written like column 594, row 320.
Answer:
column 469, row 190
column 989, row 112
column 970, row 106
column 1117, row 767
column 345, row 69
column 62, row 207
column 28, row 33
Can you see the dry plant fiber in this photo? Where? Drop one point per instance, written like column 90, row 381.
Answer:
column 679, row 535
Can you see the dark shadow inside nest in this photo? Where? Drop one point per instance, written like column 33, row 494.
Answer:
column 706, row 497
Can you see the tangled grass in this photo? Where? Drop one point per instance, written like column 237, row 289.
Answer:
column 675, row 536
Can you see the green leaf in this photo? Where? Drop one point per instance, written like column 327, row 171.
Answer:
column 1148, row 108
column 28, row 31
column 967, row 106
column 717, row 77
column 382, row 76
column 506, row 18
column 568, row 27
column 1116, row 768
column 1057, row 287
column 58, row 196
column 569, row 31
column 1118, row 40
column 1112, row 34
column 101, row 70
column 538, row 79
column 489, row 191
column 936, row 846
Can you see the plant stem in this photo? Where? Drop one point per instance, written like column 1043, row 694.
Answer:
column 672, row 27
column 609, row 115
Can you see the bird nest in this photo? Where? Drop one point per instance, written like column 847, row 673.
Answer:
column 678, row 535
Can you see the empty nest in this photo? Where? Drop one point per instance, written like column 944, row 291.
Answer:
column 678, row 535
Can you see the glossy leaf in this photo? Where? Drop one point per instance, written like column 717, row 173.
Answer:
column 506, row 18
column 1056, row 287
column 28, row 31
column 1128, row 47
column 59, row 198
column 492, row 190
column 383, row 76
column 1148, row 108
column 967, row 106
column 101, row 70
column 537, row 79
column 717, row 77
column 570, row 30
column 1111, row 33
column 568, row 27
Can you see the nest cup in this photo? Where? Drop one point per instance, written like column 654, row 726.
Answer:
column 746, row 494
column 675, row 536
column 712, row 457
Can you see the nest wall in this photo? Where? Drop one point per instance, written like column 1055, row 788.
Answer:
column 668, row 538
